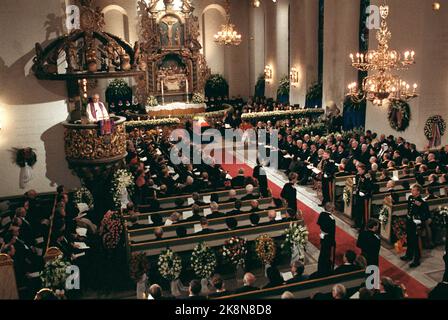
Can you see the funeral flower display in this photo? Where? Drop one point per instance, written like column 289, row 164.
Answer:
column 399, row 229
column 111, row 229
column 265, row 249
column 152, row 123
column 123, row 179
column 435, row 128
column 170, row 265
column 346, row 196
column 203, row 261
column 281, row 114
column 138, row 266
column 54, row 274
column 399, row 115
column 295, row 236
column 198, row 98
column 234, row 251
column 25, row 157
column 384, row 216
column 152, row 101
column 83, row 195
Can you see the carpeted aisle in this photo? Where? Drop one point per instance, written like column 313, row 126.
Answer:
column 344, row 240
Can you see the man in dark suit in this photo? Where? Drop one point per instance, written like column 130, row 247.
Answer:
column 328, row 171
column 362, row 194
column 218, row 286
column 370, row 243
column 197, row 200
column 297, row 270
column 260, row 174
column 195, row 290
column 249, row 193
column 249, row 281
column 348, row 266
column 204, row 226
column 196, row 214
column 239, row 180
column 215, row 212
column 237, row 209
column 289, row 193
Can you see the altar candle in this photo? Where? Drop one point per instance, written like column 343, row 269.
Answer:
column 161, row 83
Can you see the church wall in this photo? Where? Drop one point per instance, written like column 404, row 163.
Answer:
column 212, row 19
column 341, row 32
column 415, row 26
column 30, row 109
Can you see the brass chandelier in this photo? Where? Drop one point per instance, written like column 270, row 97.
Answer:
column 382, row 85
column 228, row 35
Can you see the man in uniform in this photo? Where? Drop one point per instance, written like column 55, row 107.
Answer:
column 327, row 226
column 418, row 213
column 362, row 193
column 370, row 243
column 328, row 171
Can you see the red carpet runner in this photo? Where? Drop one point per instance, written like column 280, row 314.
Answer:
column 344, row 241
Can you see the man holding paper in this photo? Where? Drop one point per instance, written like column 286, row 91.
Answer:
column 418, row 213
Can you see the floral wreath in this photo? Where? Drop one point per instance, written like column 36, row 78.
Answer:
column 295, row 236
column 170, row 265
column 440, row 217
column 384, row 216
column 152, row 101
column 25, row 156
column 112, row 229
column 203, row 261
column 429, row 127
column 198, row 98
column 123, row 179
column 234, row 250
column 399, row 229
column 138, row 266
column 55, row 274
column 83, row 195
column 265, row 249
column 346, row 195
column 399, row 115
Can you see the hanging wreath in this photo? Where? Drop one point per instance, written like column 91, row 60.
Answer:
column 83, row 195
column 138, row 266
column 384, row 216
column 435, row 128
column 170, row 265
column 399, row 115
column 235, row 250
column 203, row 261
column 265, row 249
column 25, row 156
column 347, row 196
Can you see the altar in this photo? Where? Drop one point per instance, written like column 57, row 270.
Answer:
column 175, row 109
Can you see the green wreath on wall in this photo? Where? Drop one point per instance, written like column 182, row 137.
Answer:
column 399, row 115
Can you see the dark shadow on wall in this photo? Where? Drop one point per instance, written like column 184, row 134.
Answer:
column 17, row 88
column 57, row 170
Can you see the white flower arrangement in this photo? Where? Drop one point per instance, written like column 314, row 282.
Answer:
column 346, row 196
column 203, row 261
column 235, row 251
column 123, row 179
column 384, row 216
column 152, row 101
column 281, row 113
column 152, row 123
column 198, row 98
column 295, row 236
column 83, row 195
column 170, row 265
column 54, row 274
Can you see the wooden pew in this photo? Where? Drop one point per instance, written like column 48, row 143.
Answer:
column 215, row 239
column 142, row 218
column 348, row 209
column 304, row 290
column 400, row 210
column 169, row 202
column 147, row 234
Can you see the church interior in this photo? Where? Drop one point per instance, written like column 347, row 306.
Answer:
column 223, row 150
